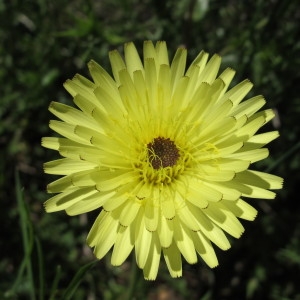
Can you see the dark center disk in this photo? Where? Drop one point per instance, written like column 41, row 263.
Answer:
column 162, row 153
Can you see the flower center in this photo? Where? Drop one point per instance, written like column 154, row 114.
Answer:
column 162, row 153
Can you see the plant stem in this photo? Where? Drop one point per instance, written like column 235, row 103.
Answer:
column 133, row 279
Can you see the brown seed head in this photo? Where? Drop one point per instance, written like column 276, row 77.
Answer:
column 162, row 153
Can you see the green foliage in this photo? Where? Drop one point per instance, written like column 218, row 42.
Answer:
column 45, row 42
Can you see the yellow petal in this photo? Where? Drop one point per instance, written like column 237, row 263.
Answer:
column 67, row 130
column 200, row 194
column 227, row 76
column 200, row 61
column 151, row 74
column 151, row 215
column 164, row 92
column 235, row 165
column 251, row 155
column 106, row 236
column 167, row 203
column 178, row 66
column 209, row 172
column 102, row 78
column 173, row 260
column 210, row 230
column 50, row 142
column 117, row 64
column 143, row 240
column 123, row 245
column 132, row 58
column 209, row 73
column 117, row 199
column 66, row 166
column 93, row 234
column 111, row 103
column 178, row 93
column 248, row 190
column 162, row 53
column 251, row 127
column 151, row 267
column 211, row 98
column 184, row 242
column 184, row 214
column 249, row 107
column 227, row 192
column 149, row 51
column 225, row 219
column 259, row 179
column 165, row 231
column 88, row 204
column 216, row 129
column 238, row 92
column 64, row 200
column 112, row 180
column 241, row 209
column 259, row 140
column 205, row 249
column 219, row 112
column 71, row 115
column 61, row 184
column 80, row 85
column 129, row 212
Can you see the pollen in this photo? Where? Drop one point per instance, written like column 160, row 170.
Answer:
column 162, row 153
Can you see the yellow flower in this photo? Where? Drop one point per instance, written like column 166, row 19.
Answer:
column 165, row 152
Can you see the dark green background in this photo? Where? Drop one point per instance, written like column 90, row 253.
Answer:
column 43, row 43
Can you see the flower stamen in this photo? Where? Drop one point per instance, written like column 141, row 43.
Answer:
column 162, row 153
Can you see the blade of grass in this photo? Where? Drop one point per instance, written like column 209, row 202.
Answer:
column 133, row 280
column 72, row 287
column 27, row 239
column 40, row 268
column 55, row 283
column 284, row 157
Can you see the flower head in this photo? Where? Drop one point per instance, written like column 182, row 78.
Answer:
column 165, row 152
